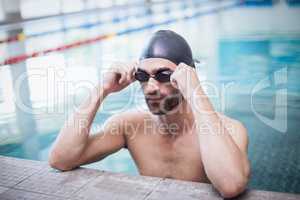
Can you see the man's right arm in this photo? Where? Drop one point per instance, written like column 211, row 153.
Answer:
column 75, row 145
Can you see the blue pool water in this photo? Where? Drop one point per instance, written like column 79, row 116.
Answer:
column 252, row 55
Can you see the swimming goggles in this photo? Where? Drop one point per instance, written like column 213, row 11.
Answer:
column 161, row 76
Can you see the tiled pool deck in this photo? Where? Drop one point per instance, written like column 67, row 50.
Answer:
column 27, row 179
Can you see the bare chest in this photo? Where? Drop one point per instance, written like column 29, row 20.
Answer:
column 178, row 159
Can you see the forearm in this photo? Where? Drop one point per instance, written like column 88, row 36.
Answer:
column 74, row 135
column 225, row 164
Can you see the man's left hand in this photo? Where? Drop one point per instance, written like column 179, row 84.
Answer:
column 185, row 79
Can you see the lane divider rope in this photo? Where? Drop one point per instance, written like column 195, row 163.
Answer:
column 23, row 57
column 22, row 36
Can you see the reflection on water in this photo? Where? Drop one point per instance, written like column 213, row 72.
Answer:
column 238, row 55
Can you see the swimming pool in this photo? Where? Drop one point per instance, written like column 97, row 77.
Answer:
column 251, row 54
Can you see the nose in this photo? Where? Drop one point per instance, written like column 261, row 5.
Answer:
column 151, row 87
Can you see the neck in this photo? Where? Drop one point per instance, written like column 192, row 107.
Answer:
column 177, row 122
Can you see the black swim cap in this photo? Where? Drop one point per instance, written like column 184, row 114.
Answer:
column 169, row 45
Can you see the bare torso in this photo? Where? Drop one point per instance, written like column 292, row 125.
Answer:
column 158, row 154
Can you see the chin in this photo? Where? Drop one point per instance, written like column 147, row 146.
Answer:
column 158, row 113
column 169, row 106
column 155, row 111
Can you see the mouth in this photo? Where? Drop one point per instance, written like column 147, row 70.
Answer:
column 156, row 98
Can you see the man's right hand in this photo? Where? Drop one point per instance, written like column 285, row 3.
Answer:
column 75, row 146
column 119, row 76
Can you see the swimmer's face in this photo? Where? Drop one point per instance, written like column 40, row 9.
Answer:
column 161, row 97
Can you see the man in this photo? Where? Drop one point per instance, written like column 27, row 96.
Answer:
column 180, row 136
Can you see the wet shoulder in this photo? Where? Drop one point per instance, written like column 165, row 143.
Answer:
column 134, row 116
column 133, row 120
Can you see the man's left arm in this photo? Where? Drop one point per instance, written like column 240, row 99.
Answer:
column 223, row 142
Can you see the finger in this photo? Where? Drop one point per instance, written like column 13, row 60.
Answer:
column 127, row 77
column 182, row 71
column 182, row 64
column 173, row 81
column 178, row 68
column 123, row 77
column 128, row 69
column 133, row 70
column 130, row 76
